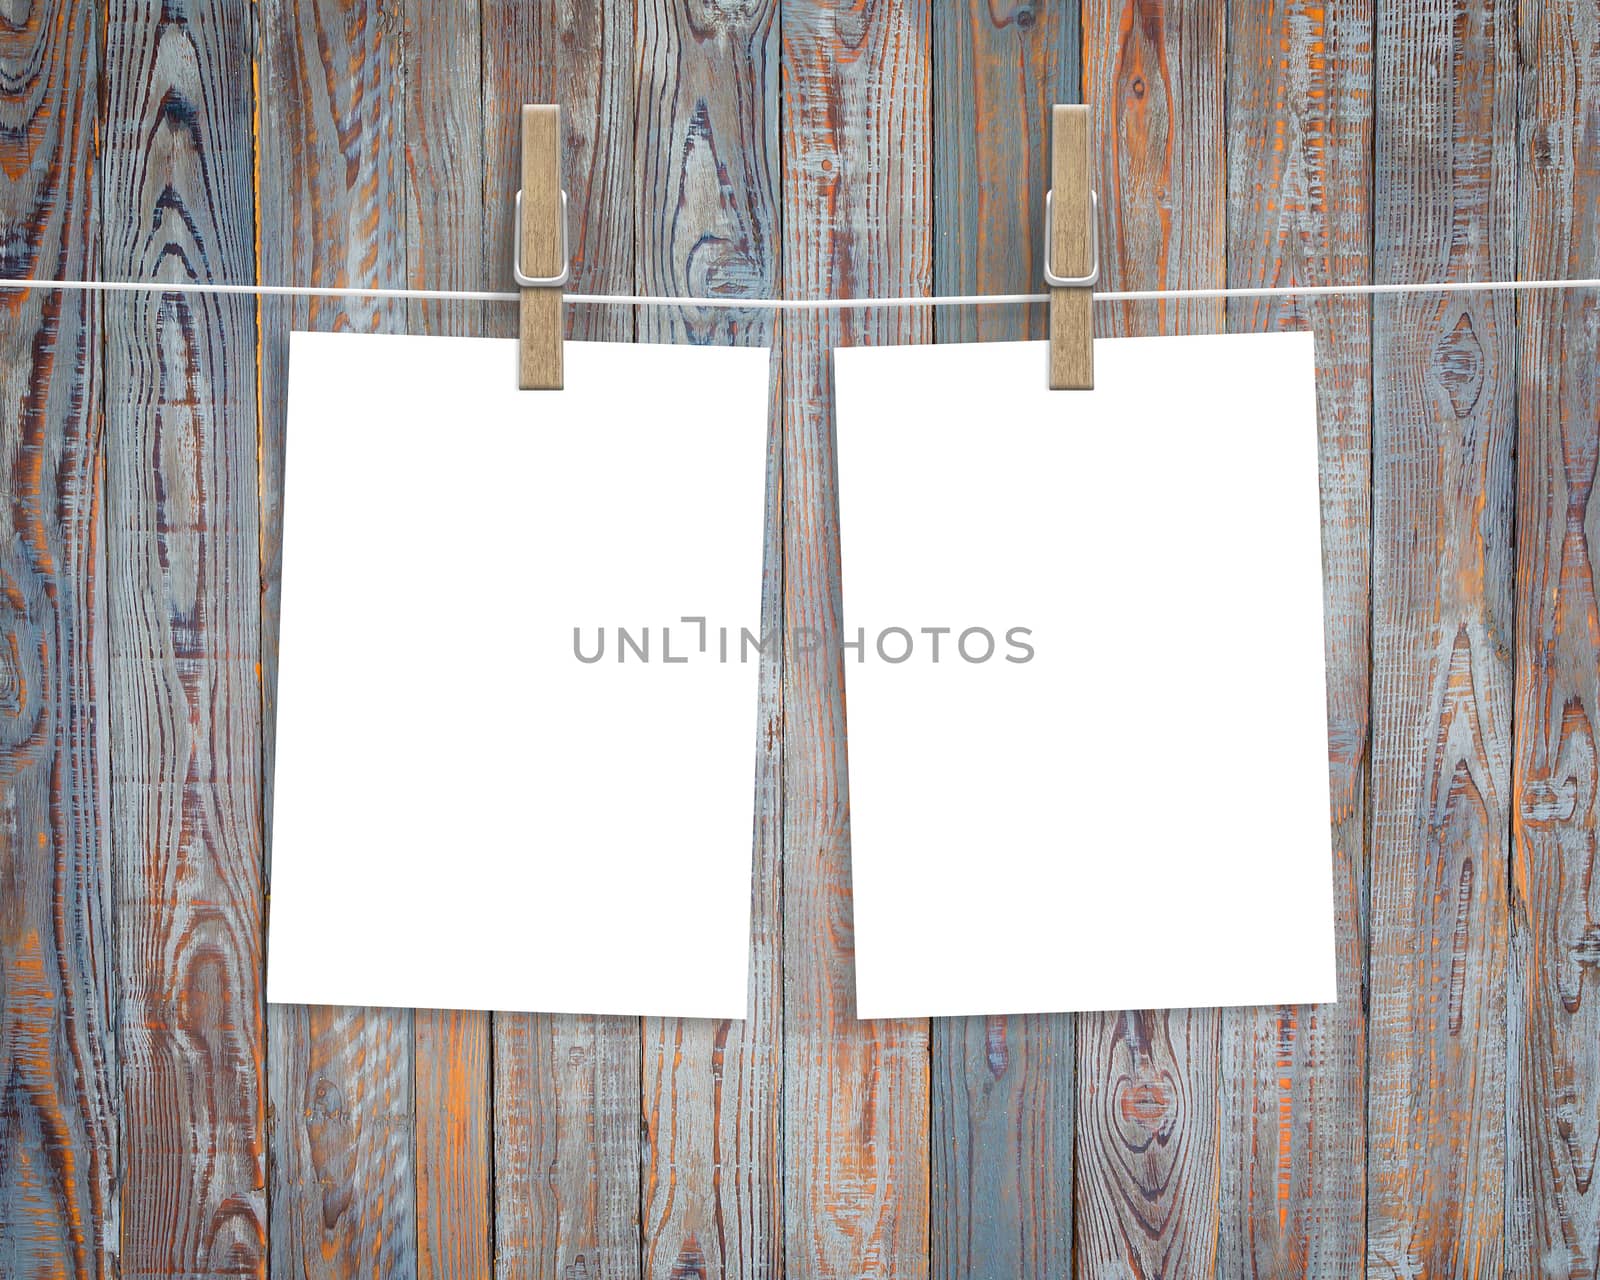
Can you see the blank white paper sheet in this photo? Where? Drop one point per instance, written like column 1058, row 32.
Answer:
column 509, row 774
column 1084, row 672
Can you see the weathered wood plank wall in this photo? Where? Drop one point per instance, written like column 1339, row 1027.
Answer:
column 1443, row 427
column 856, row 220
column 181, row 590
column 1148, row 1085
column 706, row 200
column 1553, row 1079
column 1292, row 1137
column 60, row 1113
column 1002, row 1088
column 330, row 190
column 566, row 1088
column 157, row 1119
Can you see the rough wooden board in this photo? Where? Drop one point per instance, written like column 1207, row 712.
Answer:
column 1553, row 1206
column 330, row 210
column 444, row 176
column 342, row 1183
column 451, row 1097
column 856, row 219
column 59, row 1103
column 1293, row 1151
column 1145, row 1199
column 183, row 622
column 444, row 250
column 1002, row 1144
column 997, row 70
column 566, row 1148
column 1443, row 430
column 566, row 1089
column 706, row 167
column 706, row 209
column 1002, row 1104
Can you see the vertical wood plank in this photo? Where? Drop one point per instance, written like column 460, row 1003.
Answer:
column 444, row 177
column 706, row 166
column 566, row 1088
column 331, row 175
column 59, row 1104
column 1553, row 1206
column 998, row 69
column 857, row 221
column 706, row 204
column 1002, row 1088
column 444, row 238
column 1002, row 1147
column 1146, row 1194
column 1443, row 433
column 453, row 1152
column 566, row 1147
column 1293, row 1150
column 184, row 614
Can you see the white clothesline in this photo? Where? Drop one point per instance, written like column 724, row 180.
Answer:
column 806, row 304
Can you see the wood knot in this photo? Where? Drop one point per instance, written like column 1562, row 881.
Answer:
column 1458, row 365
column 1546, row 803
column 994, row 1047
column 327, row 1102
column 1148, row 1105
column 690, row 1264
column 23, row 659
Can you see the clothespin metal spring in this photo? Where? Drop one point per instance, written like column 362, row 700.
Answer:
column 540, row 282
column 1073, row 282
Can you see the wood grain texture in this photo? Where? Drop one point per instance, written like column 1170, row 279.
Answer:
column 59, row 1103
column 1002, row 1146
column 343, row 1190
column 912, row 154
column 183, row 615
column 1146, row 1194
column 1002, row 1088
column 1553, row 1092
column 998, row 68
column 706, row 209
column 706, row 166
column 444, row 178
column 566, row 1089
column 566, row 1147
column 330, row 210
column 1293, row 1150
column 444, row 238
column 453, row 1152
column 857, row 221
column 1443, row 431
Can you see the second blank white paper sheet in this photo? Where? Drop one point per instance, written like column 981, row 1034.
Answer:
column 515, row 764
column 1084, row 673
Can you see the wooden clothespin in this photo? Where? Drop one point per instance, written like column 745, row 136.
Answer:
column 1072, row 251
column 541, row 261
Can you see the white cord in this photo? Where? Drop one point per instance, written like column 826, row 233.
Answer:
column 807, row 304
